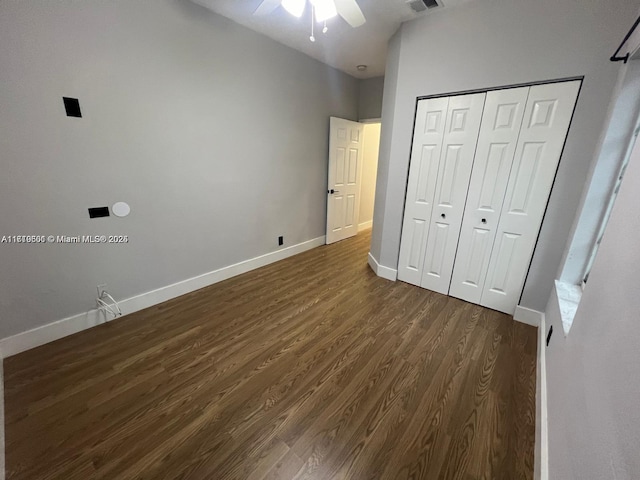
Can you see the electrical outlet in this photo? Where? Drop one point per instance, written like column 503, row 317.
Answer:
column 101, row 289
column 549, row 334
column 280, row 240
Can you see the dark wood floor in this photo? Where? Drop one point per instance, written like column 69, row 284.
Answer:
column 310, row 368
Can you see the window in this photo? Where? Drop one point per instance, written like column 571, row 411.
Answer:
column 609, row 208
column 618, row 142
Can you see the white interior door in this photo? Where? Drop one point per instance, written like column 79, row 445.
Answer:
column 456, row 160
column 345, row 174
column 499, row 131
column 428, row 136
column 544, row 129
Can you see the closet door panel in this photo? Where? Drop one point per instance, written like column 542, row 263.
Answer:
column 499, row 131
column 428, row 136
column 458, row 150
column 507, row 244
column 544, row 129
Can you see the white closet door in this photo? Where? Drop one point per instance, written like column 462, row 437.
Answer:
column 458, row 150
column 423, row 171
column 501, row 121
column 542, row 136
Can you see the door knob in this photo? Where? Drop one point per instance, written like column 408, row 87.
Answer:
column 333, row 191
column 484, row 220
column 443, row 215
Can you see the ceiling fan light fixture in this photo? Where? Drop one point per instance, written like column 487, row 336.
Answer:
column 324, row 9
column 294, row 7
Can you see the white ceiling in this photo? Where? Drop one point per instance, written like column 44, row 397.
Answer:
column 342, row 47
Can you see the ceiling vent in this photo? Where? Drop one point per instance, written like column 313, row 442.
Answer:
column 422, row 5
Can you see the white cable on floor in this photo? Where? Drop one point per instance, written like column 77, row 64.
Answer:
column 113, row 308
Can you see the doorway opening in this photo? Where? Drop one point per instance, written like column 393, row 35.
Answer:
column 369, row 173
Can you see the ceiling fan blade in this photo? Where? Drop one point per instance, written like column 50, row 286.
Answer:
column 266, row 7
column 350, row 11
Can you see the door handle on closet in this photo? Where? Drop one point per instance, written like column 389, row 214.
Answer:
column 484, row 220
column 333, row 191
column 443, row 215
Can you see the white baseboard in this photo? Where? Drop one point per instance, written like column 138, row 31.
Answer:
column 528, row 316
column 541, row 466
column 76, row 323
column 365, row 225
column 381, row 270
column 373, row 263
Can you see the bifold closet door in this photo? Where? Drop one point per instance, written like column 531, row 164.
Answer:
column 454, row 171
column 501, row 121
column 444, row 141
column 546, row 122
column 428, row 135
column 472, row 215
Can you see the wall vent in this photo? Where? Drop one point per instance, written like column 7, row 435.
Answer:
column 422, row 5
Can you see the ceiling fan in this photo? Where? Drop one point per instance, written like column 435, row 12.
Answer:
column 323, row 10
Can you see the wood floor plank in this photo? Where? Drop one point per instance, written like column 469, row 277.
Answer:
column 286, row 468
column 418, row 453
column 312, row 367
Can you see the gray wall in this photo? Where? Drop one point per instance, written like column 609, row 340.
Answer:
column 494, row 43
column 215, row 135
column 593, row 375
column 386, row 134
column 370, row 100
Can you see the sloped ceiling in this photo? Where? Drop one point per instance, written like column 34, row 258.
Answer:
column 342, row 47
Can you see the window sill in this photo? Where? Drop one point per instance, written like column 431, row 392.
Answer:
column 569, row 296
